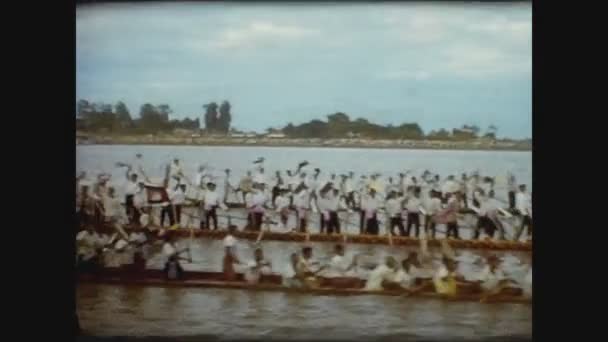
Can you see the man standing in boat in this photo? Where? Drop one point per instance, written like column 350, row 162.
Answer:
column 370, row 209
column 211, row 202
column 173, row 269
column 523, row 203
column 301, row 202
column 394, row 209
column 412, row 206
column 130, row 191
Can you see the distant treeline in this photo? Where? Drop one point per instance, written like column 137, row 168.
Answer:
column 339, row 125
column 103, row 117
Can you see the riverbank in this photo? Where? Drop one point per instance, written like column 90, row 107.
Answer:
column 504, row 145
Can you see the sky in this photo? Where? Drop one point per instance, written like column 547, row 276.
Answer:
column 438, row 64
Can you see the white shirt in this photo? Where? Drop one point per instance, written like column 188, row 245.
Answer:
column 112, row 206
column 302, row 199
column 141, row 198
column 393, row 206
column 177, row 197
column 433, row 205
column 404, row 279
column 490, row 280
column 371, row 204
column 258, row 200
column 450, row 186
column 130, row 188
column 137, row 237
column 487, row 205
column 347, row 186
column 168, row 251
column 337, row 267
column 413, row 204
column 523, row 203
column 229, row 241
column 281, row 202
column 377, row 276
column 211, row 198
column 259, row 178
column 252, row 272
column 329, row 202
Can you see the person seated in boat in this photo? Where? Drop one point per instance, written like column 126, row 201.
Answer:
column 173, row 269
column 257, row 267
column 138, row 241
column 307, row 269
column 383, row 276
column 289, row 274
column 444, row 279
column 230, row 256
column 87, row 242
column 493, row 282
column 527, row 284
column 339, row 272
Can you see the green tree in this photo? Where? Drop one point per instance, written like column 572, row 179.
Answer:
column 211, row 116
column 224, row 118
column 123, row 117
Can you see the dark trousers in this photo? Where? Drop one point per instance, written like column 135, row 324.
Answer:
column 209, row 215
column 465, row 202
column 413, row 219
column 486, row 224
column 302, row 225
column 257, row 221
column 275, row 193
column 526, row 222
column 371, row 226
column 333, row 224
column 350, row 199
column 397, row 221
column 167, row 211
column 178, row 213
column 173, row 264
column 322, row 223
column 130, row 208
column 429, row 225
column 452, row 230
column 362, row 221
column 511, row 200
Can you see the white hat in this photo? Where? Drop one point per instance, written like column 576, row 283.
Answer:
column 121, row 244
column 144, row 220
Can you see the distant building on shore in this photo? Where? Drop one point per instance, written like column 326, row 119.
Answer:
column 276, row 135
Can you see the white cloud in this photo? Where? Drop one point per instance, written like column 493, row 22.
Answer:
column 260, row 33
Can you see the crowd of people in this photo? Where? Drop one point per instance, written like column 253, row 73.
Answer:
column 407, row 203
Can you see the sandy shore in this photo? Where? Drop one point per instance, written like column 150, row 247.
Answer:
column 334, row 143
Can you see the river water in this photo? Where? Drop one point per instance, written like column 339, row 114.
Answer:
column 234, row 314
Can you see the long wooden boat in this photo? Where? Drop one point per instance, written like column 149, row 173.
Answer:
column 156, row 278
column 359, row 238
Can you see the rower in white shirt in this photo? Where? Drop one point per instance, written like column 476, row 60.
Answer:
column 329, row 204
column 346, row 187
column 112, row 207
column 383, row 275
column 412, row 205
column 171, row 253
column 178, row 199
column 258, row 203
column 523, row 204
column 301, row 201
column 140, row 201
column 281, row 204
column 211, row 202
column 289, row 273
column 257, row 267
column 307, row 269
column 492, row 280
column 444, row 278
column 130, row 191
column 394, row 209
column 87, row 242
column 230, row 254
column 432, row 207
column 371, row 204
column 260, row 176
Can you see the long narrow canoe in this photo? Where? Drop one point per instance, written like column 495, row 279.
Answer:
column 358, row 238
column 156, row 278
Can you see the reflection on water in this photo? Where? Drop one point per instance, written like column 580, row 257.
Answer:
column 125, row 310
